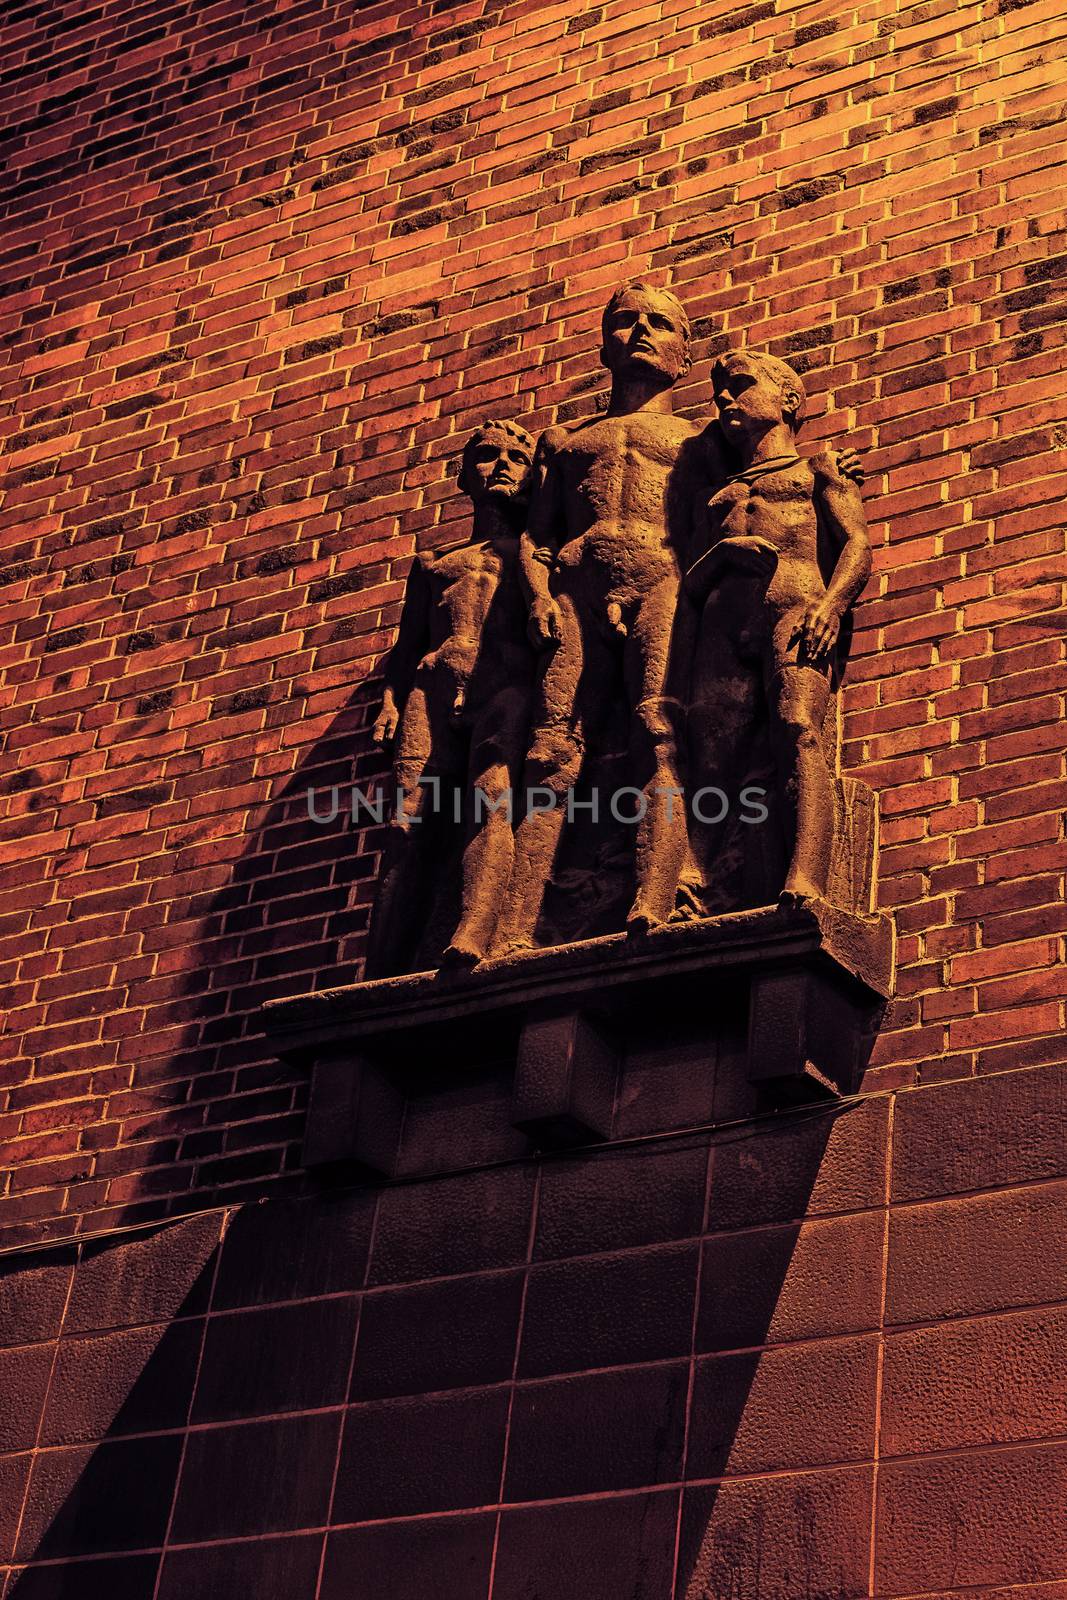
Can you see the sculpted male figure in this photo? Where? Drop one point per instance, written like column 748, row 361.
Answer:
column 786, row 554
column 600, row 558
column 458, row 686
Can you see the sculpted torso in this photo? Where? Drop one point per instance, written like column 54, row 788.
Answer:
column 617, row 484
column 779, row 508
column 477, row 614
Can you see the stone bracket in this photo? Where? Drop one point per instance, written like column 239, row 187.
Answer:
column 565, row 1074
column 355, row 1114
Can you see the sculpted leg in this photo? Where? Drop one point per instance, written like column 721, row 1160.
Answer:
column 721, row 725
column 553, row 765
column 496, row 762
column 657, row 732
column 798, row 697
column 408, row 847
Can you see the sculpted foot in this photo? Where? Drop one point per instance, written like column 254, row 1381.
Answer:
column 688, row 906
column 640, row 921
column 799, row 892
column 512, row 945
column 462, row 953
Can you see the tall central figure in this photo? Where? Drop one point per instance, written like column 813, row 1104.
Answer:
column 602, row 556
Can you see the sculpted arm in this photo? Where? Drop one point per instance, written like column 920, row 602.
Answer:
column 840, row 510
column 412, row 640
column 539, row 545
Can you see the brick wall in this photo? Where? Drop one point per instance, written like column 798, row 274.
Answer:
column 261, row 269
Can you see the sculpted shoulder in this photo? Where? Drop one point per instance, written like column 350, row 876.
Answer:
column 825, row 468
column 440, row 558
column 559, row 436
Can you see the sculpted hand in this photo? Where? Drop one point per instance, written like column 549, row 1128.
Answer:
column 545, row 625
column 850, row 466
column 386, row 725
column 750, row 553
column 818, row 629
column 615, row 619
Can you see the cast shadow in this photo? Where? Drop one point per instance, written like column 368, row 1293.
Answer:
column 289, row 916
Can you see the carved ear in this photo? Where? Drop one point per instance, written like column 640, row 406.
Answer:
column 793, row 402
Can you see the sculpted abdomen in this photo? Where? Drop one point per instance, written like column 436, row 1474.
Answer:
column 631, row 554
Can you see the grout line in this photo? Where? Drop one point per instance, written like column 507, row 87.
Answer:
column 540, row 1381
column 694, row 1321
column 186, row 1432
column 340, row 1441
column 348, row 1392
column 880, row 1367
column 561, row 1261
column 591, row 1497
column 46, row 1398
column 531, row 1238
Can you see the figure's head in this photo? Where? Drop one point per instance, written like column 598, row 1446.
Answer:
column 645, row 333
column 754, row 392
column 496, row 464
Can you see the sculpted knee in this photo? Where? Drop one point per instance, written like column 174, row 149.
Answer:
column 658, row 722
column 554, row 761
column 802, row 733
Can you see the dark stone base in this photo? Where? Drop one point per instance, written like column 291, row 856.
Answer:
column 800, row 993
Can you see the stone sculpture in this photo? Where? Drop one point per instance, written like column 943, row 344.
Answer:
column 455, row 711
column 561, row 635
column 608, row 519
column 781, row 557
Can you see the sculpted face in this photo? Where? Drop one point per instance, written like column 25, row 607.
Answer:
column 750, row 398
column 496, row 466
column 644, row 337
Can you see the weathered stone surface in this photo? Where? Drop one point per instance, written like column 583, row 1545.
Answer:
column 989, row 1252
column 1007, row 1128
column 774, row 1537
column 972, row 1520
column 1011, row 1370
column 148, row 1279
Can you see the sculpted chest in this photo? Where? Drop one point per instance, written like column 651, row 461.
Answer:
column 617, row 447
column 751, row 505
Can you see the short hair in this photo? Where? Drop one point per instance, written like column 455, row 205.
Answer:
column 783, row 374
column 639, row 287
column 484, row 431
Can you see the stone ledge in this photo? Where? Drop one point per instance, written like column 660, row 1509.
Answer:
column 808, row 985
column 860, row 947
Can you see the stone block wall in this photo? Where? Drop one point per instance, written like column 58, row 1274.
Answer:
column 815, row 1356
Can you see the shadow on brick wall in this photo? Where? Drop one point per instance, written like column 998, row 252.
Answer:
column 288, row 915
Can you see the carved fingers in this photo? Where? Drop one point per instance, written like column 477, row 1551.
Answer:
column 817, row 630
column 850, row 466
column 545, row 626
column 385, row 728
